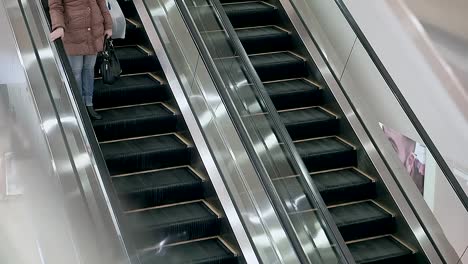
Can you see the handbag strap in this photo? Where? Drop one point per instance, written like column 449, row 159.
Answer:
column 108, row 46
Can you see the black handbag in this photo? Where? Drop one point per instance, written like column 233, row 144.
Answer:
column 110, row 69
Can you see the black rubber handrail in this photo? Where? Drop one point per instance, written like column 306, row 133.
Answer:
column 311, row 190
column 404, row 105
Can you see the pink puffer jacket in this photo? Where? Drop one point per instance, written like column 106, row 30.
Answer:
column 84, row 22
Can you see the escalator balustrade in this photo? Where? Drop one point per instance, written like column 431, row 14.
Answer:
column 168, row 202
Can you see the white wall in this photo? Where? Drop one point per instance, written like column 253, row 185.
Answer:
column 440, row 105
column 431, row 96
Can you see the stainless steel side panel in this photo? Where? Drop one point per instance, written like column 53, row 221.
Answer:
column 248, row 209
column 71, row 219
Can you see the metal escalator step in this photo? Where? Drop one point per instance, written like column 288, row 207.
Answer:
column 252, row 13
column 133, row 33
column 293, row 93
column 278, row 65
column 380, row 250
column 129, row 90
column 174, row 223
column 362, row 219
column 344, row 185
column 134, row 59
column 269, row 66
column 326, row 153
column 254, row 40
column 148, row 153
column 309, row 122
column 210, row 251
column 134, row 121
column 264, row 39
column 159, row 187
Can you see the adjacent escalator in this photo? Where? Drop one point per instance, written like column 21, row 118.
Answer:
column 168, row 202
column 368, row 228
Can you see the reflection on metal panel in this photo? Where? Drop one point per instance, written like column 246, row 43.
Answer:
column 52, row 205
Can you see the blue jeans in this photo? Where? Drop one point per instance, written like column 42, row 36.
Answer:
column 83, row 70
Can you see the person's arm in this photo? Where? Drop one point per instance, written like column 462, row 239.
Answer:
column 105, row 13
column 56, row 11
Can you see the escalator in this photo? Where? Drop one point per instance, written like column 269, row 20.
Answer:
column 169, row 204
column 164, row 195
column 336, row 166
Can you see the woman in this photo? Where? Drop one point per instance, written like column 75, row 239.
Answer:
column 82, row 25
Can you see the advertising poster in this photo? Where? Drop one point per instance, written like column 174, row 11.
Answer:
column 411, row 154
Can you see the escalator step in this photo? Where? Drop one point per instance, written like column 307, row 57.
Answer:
column 135, row 121
column 326, row 153
column 278, row 65
column 254, row 40
column 129, row 90
column 309, row 122
column 363, row 219
column 134, row 33
column 147, row 153
column 381, row 250
column 293, row 93
column 253, row 13
column 210, row 251
column 134, row 59
column 264, row 39
column 156, row 188
column 175, row 223
column 342, row 186
column 269, row 66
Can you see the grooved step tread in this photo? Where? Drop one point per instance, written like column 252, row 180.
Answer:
column 302, row 116
column 293, row 93
column 255, row 40
column 205, row 251
column 373, row 250
column 174, row 223
column 141, row 145
column 277, row 58
column 342, row 185
column 172, row 215
column 260, row 32
column 126, row 82
column 290, row 87
column 358, row 213
column 170, row 178
column 339, row 179
column 160, row 187
column 134, row 121
column 130, row 53
column 321, row 146
column 129, row 90
column 247, row 7
column 153, row 111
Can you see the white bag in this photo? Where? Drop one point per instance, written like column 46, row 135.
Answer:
column 118, row 20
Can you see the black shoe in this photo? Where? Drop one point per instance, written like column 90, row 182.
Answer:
column 93, row 114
